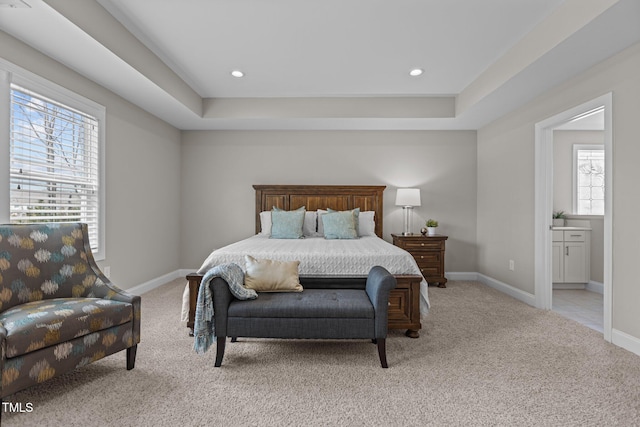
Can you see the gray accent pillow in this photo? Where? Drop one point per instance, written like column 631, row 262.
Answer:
column 287, row 224
column 340, row 225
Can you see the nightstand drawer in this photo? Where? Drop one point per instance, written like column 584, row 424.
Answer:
column 424, row 259
column 422, row 245
column 432, row 271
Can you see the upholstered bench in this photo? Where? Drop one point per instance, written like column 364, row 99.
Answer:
column 327, row 308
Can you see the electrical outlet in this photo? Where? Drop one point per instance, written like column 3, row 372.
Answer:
column 512, row 265
column 107, row 271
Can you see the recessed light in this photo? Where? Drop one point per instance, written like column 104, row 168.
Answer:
column 416, row 72
column 237, row 73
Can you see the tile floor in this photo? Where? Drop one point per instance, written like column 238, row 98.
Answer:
column 583, row 306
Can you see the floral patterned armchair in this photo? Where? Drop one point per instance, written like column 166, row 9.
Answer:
column 57, row 310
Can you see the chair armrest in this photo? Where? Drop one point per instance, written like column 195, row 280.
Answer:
column 105, row 289
column 379, row 284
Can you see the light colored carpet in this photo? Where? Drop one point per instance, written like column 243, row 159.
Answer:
column 483, row 358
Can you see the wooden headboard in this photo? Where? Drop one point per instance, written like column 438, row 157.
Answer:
column 338, row 197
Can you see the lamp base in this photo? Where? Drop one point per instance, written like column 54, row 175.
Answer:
column 408, row 212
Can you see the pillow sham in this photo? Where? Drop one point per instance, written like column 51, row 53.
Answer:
column 310, row 224
column 320, row 213
column 287, row 224
column 366, row 223
column 267, row 275
column 265, row 223
column 340, row 225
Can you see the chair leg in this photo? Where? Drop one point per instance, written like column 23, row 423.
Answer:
column 131, row 357
column 220, row 351
column 382, row 351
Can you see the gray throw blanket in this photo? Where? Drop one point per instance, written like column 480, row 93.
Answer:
column 204, row 325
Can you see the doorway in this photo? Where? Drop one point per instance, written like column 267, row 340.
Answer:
column 544, row 204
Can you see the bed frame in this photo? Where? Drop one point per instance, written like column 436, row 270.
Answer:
column 404, row 300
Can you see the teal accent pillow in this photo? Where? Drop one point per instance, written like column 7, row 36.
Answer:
column 340, row 225
column 287, row 224
column 356, row 213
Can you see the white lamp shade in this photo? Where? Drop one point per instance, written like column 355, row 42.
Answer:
column 408, row 197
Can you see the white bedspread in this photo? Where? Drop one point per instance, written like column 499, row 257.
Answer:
column 322, row 257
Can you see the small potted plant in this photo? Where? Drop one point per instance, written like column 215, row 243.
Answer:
column 558, row 218
column 431, row 227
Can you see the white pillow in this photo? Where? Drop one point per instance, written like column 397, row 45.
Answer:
column 320, row 212
column 367, row 224
column 308, row 228
column 310, row 224
column 265, row 223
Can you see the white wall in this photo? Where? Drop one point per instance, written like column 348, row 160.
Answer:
column 506, row 183
column 220, row 167
column 142, row 175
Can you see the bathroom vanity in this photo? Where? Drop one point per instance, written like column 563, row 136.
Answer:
column 571, row 257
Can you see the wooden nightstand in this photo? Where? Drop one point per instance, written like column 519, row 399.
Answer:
column 428, row 252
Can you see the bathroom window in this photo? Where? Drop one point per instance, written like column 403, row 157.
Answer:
column 588, row 179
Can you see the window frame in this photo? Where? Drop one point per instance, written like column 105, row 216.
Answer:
column 574, row 188
column 13, row 74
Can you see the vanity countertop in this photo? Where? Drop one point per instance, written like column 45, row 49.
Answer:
column 571, row 228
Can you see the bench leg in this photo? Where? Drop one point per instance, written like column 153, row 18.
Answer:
column 220, row 351
column 131, row 357
column 382, row 351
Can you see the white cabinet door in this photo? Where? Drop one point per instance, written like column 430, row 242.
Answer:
column 557, row 261
column 575, row 264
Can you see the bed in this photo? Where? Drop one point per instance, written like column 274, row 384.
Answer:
column 329, row 258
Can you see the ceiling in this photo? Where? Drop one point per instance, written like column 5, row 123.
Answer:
column 330, row 64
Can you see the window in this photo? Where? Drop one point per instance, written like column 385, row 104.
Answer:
column 55, row 168
column 588, row 188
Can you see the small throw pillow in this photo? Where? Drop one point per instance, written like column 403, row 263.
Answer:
column 287, row 224
column 267, row 275
column 356, row 214
column 340, row 225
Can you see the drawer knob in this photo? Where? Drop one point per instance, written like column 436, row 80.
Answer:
column 421, row 244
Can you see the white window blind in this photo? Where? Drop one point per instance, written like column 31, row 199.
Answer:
column 54, row 173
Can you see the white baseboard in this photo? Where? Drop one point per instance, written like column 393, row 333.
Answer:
column 159, row 281
column 626, row 341
column 465, row 275
column 518, row 294
column 577, row 286
column 595, row 287
column 525, row 297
